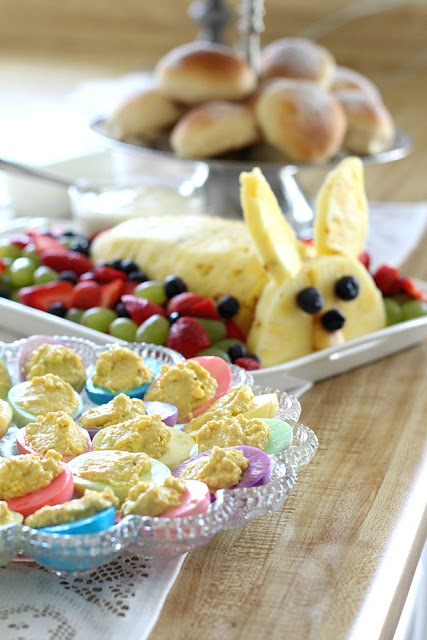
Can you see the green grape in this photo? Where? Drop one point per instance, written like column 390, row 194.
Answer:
column 74, row 315
column 123, row 328
column 8, row 250
column 42, row 275
column 226, row 343
column 155, row 330
column 22, row 272
column 393, row 311
column 30, row 252
column 215, row 329
column 151, row 290
column 413, row 309
column 98, row 318
column 213, row 351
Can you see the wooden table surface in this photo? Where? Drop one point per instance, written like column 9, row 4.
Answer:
column 337, row 561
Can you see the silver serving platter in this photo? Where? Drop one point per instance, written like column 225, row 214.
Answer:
column 219, row 177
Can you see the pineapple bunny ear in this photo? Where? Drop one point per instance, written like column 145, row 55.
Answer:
column 341, row 221
column 274, row 239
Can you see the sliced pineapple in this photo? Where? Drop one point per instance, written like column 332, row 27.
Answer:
column 273, row 237
column 341, row 221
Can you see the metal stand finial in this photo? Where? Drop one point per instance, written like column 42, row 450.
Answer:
column 212, row 16
column 250, row 26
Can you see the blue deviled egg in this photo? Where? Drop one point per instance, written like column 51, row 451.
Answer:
column 95, row 511
column 120, row 370
column 42, row 395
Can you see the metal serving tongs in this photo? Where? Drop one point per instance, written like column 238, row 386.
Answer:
column 45, row 176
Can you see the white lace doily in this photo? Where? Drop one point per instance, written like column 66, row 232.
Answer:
column 120, row 600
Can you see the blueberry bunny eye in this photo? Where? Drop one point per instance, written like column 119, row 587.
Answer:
column 347, row 288
column 310, row 300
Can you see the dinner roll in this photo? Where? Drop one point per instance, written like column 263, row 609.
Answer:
column 370, row 127
column 301, row 119
column 203, row 71
column 143, row 114
column 345, row 78
column 297, row 58
column 214, row 128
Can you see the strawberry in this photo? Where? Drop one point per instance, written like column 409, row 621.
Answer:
column 409, row 287
column 387, row 280
column 107, row 274
column 365, row 259
column 187, row 336
column 111, row 292
column 204, row 309
column 250, row 364
column 43, row 242
column 65, row 260
column 129, row 287
column 183, row 303
column 88, row 276
column 2, row 267
column 44, row 295
column 233, row 331
column 86, row 295
column 140, row 309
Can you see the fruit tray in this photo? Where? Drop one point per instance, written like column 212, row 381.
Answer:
column 147, row 535
column 295, row 376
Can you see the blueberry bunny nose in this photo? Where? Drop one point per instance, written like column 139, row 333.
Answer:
column 333, row 320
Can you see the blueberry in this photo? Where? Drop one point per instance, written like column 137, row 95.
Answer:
column 310, row 300
column 128, row 266
column 174, row 286
column 69, row 276
column 57, row 309
column 173, row 317
column 237, row 351
column 253, row 356
column 333, row 320
column 137, row 276
column 347, row 288
column 227, row 307
column 69, row 233
column 116, row 264
column 81, row 246
column 4, row 293
column 121, row 311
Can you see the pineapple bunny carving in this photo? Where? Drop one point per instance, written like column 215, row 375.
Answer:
column 311, row 304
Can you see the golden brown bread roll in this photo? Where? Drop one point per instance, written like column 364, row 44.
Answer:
column 346, row 78
column 297, row 58
column 214, row 128
column 301, row 119
column 370, row 127
column 203, row 71
column 143, row 114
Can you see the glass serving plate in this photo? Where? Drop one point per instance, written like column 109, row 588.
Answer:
column 156, row 536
